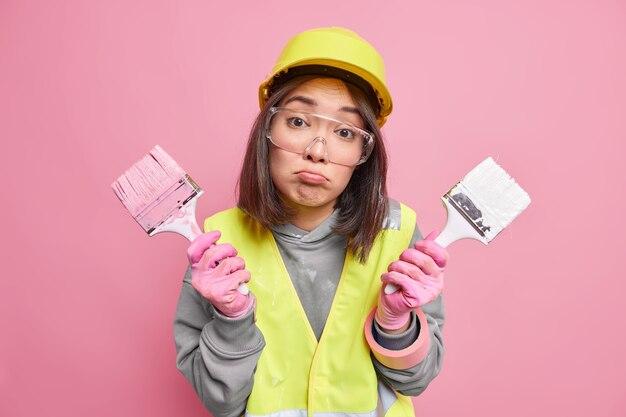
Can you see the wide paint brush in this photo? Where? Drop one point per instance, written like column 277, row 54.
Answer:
column 161, row 197
column 480, row 206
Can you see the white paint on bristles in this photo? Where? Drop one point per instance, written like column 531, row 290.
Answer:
column 495, row 194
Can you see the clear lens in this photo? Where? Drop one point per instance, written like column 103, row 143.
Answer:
column 296, row 130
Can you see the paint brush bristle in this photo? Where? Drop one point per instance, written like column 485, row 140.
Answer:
column 155, row 189
column 147, row 180
column 489, row 198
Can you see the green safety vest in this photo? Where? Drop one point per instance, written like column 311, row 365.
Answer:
column 296, row 375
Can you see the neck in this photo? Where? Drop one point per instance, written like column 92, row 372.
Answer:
column 308, row 218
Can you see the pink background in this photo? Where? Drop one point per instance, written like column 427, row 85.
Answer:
column 535, row 320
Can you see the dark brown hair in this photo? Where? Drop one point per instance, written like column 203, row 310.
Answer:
column 362, row 205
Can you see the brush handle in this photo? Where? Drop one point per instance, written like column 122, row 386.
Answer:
column 184, row 223
column 456, row 228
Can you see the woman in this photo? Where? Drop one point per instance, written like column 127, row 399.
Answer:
column 316, row 240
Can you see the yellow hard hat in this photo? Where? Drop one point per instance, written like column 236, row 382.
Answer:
column 323, row 51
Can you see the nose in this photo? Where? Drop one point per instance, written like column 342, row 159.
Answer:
column 317, row 150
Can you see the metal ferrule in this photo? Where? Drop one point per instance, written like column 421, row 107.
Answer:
column 168, row 203
column 457, row 207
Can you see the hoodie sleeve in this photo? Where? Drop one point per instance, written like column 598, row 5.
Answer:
column 413, row 380
column 217, row 354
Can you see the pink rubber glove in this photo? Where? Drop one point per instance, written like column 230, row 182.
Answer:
column 217, row 272
column 419, row 275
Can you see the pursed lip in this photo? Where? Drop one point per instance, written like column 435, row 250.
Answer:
column 311, row 177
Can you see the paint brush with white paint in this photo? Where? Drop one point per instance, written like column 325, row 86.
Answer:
column 480, row 206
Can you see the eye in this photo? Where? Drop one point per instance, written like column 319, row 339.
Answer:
column 345, row 133
column 297, row 122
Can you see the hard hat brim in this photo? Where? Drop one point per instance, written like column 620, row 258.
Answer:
column 324, row 68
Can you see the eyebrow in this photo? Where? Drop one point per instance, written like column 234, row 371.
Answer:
column 302, row 99
column 311, row 102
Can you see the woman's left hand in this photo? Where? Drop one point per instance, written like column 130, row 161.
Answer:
column 419, row 275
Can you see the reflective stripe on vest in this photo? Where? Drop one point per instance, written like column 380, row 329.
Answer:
column 304, row 413
column 296, row 376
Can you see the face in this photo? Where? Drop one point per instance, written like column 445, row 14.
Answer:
column 308, row 181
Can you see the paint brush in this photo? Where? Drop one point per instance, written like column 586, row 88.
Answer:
column 480, row 206
column 161, row 196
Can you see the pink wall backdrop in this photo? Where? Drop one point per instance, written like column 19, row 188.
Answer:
column 535, row 320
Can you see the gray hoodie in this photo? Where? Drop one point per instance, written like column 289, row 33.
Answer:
column 218, row 355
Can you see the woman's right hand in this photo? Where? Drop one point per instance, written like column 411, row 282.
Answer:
column 217, row 272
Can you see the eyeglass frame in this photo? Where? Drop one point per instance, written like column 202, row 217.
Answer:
column 368, row 146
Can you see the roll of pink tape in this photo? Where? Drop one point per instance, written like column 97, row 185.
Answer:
column 405, row 358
